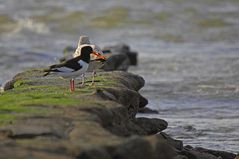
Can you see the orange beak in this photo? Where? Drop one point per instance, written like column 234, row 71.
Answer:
column 98, row 55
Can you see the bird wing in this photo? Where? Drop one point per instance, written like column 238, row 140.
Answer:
column 73, row 65
column 69, row 64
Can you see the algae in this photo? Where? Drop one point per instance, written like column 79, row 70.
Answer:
column 113, row 17
column 32, row 90
column 61, row 21
column 171, row 38
column 6, row 118
column 34, row 94
column 212, row 23
column 7, row 23
column 162, row 16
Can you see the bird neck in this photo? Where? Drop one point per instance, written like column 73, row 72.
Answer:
column 84, row 57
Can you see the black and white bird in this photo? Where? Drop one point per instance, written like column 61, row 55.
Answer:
column 74, row 67
column 85, row 41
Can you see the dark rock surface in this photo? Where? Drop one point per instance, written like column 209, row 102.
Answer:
column 120, row 58
column 222, row 154
column 151, row 126
column 8, row 85
column 117, row 62
column 148, row 110
column 123, row 49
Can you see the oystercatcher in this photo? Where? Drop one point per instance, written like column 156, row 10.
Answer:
column 74, row 67
column 85, row 41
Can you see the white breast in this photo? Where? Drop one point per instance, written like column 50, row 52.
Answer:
column 84, row 68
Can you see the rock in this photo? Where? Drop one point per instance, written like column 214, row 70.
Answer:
column 198, row 152
column 237, row 156
column 116, row 62
column 134, row 147
column 123, row 49
column 8, row 85
column 126, row 97
column 177, row 144
column 142, row 102
column 180, row 157
column 148, row 110
column 121, row 58
column 192, row 154
column 35, row 127
column 161, row 148
column 151, row 126
column 222, row 154
column 188, row 154
column 40, row 118
column 96, row 153
column 133, row 57
column 164, row 150
column 117, row 121
column 13, row 152
column 118, row 49
column 129, row 80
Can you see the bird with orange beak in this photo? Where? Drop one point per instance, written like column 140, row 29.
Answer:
column 97, row 55
column 74, row 67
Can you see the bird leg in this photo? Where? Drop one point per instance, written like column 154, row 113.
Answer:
column 83, row 80
column 72, row 85
column 93, row 78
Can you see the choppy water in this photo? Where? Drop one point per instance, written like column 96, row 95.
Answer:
column 189, row 54
column 198, row 95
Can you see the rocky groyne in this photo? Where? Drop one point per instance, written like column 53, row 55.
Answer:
column 40, row 118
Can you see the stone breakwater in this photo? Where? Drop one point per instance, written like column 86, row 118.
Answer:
column 40, row 118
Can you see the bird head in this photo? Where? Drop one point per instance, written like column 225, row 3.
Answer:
column 87, row 50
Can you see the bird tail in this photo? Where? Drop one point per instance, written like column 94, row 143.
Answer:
column 47, row 72
column 50, row 69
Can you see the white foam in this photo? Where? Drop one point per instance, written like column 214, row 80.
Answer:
column 31, row 25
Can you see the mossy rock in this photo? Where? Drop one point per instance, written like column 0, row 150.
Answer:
column 41, row 118
column 31, row 89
